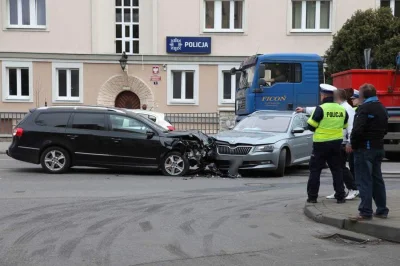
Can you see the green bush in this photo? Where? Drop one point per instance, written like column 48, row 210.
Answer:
column 377, row 29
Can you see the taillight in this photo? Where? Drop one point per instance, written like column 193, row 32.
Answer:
column 170, row 128
column 18, row 132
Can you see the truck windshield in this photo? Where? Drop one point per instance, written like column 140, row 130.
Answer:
column 246, row 79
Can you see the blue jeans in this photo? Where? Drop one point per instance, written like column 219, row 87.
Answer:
column 369, row 180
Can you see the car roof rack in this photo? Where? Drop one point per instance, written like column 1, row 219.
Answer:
column 85, row 107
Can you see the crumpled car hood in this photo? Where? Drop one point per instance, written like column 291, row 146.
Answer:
column 252, row 138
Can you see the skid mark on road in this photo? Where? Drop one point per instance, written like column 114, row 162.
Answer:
column 146, row 226
column 101, row 223
column 276, row 236
column 246, row 215
column 187, row 227
column 176, row 250
column 219, row 222
column 154, row 208
column 68, row 247
column 207, row 244
column 187, row 210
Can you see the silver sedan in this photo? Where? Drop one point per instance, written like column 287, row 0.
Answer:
column 266, row 140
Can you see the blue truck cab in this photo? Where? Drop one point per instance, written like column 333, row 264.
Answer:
column 277, row 82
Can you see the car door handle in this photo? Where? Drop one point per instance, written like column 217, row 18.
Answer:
column 308, row 137
column 116, row 140
column 72, row 136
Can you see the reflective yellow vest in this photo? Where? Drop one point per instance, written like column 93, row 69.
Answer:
column 355, row 108
column 332, row 124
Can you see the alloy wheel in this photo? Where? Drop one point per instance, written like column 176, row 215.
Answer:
column 174, row 165
column 55, row 160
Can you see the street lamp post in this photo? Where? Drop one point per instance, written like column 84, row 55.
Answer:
column 123, row 60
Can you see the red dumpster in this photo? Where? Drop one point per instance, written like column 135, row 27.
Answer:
column 383, row 80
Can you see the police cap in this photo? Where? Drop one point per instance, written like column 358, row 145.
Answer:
column 326, row 88
column 356, row 94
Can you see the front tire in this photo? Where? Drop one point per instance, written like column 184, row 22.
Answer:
column 55, row 160
column 175, row 164
column 280, row 171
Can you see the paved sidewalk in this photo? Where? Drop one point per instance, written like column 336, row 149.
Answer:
column 4, row 146
column 330, row 213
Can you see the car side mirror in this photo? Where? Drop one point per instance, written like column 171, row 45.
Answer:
column 149, row 134
column 298, row 130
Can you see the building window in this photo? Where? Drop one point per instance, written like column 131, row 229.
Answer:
column 127, row 26
column 17, row 81
column 393, row 4
column 183, row 84
column 224, row 15
column 227, row 84
column 27, row 13
column 311, row 16
column 67, row 82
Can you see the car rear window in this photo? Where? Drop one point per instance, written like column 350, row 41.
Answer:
column 89, row 121
column 53, row 119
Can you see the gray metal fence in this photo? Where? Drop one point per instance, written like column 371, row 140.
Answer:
column 205, row 122
column 208, row 123
column 8, row 120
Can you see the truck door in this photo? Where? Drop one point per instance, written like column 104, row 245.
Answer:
column 278, row 93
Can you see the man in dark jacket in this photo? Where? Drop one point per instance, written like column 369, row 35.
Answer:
column 370, row 127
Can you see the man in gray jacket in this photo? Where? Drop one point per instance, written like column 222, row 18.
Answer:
column 348, row 178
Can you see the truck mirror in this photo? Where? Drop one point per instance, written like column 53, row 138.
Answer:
column 261, row 71
column 262, row 82
column 233, row 71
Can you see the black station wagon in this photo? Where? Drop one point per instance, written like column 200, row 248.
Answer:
column 61, row 137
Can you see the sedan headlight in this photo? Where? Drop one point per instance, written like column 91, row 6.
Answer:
column 264, row 148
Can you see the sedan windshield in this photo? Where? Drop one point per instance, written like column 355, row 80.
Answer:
column 266, row 123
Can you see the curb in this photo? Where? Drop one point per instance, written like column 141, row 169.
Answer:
column 376, row 230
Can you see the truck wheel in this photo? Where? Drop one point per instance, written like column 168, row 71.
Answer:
column 280, row 171
column 175, row 164
column 392, row 156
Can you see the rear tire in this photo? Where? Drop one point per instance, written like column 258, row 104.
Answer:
column 280, row 171
column 175, row 164
column 55, row 160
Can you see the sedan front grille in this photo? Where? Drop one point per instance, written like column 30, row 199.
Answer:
column 239, row 150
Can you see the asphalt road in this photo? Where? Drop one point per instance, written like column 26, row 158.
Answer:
column 103, row 217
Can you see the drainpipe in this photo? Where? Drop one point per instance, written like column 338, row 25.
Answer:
column 155, row 26
column 91, row 26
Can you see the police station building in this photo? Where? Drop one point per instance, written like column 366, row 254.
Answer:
column 178, row 53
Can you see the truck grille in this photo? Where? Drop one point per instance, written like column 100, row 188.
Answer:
column 239, row 150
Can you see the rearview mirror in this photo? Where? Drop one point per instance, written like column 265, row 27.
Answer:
column 149, row 134
column 261, row 71
column 297, row 130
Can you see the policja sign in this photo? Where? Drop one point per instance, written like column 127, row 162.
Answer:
column 188, row 45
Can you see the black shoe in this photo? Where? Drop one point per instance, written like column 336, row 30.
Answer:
column 381, row 216
column 311, row 201
column 341, row 201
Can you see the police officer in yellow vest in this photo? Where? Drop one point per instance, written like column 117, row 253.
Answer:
column 327, row 122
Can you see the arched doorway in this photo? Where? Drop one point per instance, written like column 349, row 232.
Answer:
column 128, row 100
